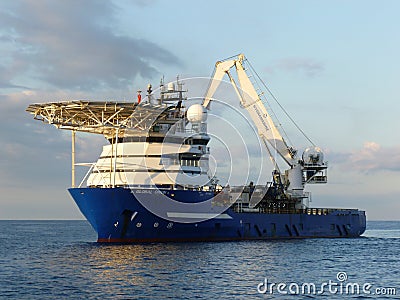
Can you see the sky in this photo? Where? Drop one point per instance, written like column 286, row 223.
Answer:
column 333, row 65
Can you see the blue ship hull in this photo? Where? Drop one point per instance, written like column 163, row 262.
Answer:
column 118, row 216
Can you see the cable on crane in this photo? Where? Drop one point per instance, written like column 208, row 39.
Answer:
column 276, row 100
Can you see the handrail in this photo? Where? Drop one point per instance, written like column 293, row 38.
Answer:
column 309, row 211
column 93, row 166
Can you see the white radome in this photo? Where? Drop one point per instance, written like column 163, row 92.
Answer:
column 313, row 156
column 196, row 113
column 171, row 86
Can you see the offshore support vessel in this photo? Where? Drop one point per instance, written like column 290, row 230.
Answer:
column 152, row 182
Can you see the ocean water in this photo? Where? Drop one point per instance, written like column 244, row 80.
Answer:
column 61, row 260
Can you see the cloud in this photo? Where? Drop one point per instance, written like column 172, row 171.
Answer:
column 144, row 2
column 371, row 158
column 73, row 44
column 34, row 154
column 306, row 66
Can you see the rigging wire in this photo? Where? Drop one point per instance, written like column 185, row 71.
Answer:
column 273, row 114
column 230, row 57
column 283, row 109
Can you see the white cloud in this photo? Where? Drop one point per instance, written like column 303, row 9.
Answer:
column 73, row 44
column 307, row 66
column 371, row 158
column 28, row 93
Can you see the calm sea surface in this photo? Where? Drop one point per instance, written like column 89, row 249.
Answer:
column 60, row 259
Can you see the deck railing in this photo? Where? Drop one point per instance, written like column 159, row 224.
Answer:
column 307, row 211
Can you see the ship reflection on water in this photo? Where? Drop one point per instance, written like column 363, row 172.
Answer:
column 174, row 269
column 143, row 267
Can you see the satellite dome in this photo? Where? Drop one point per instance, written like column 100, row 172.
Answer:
column 196, row 113
column 313, row 156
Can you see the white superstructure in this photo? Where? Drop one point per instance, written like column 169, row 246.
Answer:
column 171, row 152
column 157, row 142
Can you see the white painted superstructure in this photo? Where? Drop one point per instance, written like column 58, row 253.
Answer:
column 171, row 152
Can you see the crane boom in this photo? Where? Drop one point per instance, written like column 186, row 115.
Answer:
column 310, row 168
column 251, row 101
column 221, row 68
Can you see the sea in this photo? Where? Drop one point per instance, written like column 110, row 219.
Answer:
column 61, row 260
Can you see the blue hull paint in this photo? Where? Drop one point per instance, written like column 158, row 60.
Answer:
column 117, row 216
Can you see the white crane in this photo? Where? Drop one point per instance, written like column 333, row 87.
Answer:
column 308, row 169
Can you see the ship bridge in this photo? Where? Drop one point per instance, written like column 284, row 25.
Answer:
column 145, row 138
column 114, row 120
